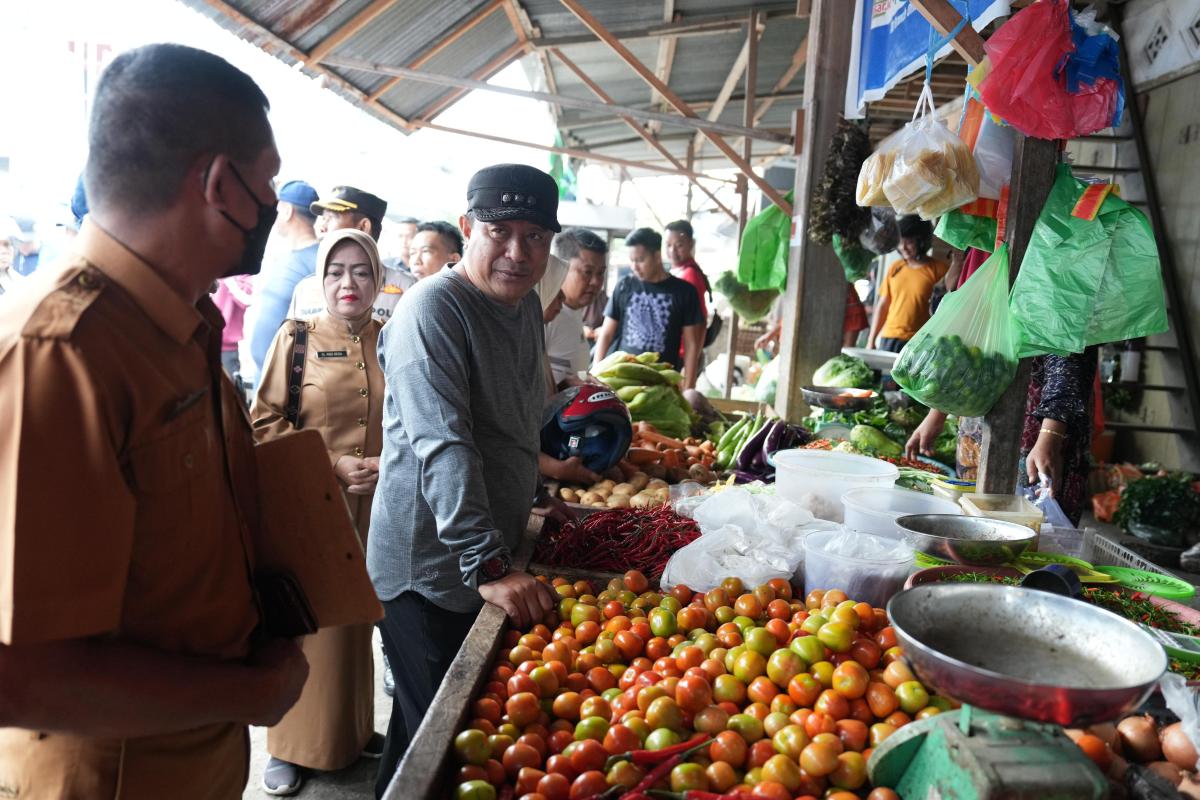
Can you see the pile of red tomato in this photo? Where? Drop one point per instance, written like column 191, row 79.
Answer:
column 772, row 697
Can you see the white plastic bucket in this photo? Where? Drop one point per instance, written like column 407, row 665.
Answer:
column 802, row 474
column 863, row 580
column 873, row 510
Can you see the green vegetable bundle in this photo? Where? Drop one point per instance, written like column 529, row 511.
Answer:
column 845, row 372
column 964, row 358
column 651, row 390
column 1164, row 507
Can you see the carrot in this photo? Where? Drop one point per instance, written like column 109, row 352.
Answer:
column 658, row 438
column 693, row 451
column 641, row 456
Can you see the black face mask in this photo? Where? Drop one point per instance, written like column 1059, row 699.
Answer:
column 256, row 237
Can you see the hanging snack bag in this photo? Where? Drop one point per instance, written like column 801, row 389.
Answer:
column 875, row 170
column 933, row 171
column 964, row 358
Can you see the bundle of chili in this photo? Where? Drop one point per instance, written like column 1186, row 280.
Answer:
column 618, row 540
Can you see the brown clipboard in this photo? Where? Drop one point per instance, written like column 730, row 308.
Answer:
column 306, row 530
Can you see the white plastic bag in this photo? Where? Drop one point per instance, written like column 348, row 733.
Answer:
column 994, row 150
column 1185, row 702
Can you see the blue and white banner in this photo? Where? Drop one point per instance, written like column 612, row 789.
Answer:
column 891, row 39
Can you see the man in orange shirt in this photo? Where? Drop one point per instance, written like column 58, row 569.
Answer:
column 131, row 655
column 907, row 287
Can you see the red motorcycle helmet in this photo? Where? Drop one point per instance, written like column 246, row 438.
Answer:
column 587, row 421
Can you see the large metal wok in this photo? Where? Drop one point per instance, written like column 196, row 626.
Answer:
column 1026, row 653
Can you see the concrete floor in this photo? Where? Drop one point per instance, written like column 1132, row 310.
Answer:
column 356, row 782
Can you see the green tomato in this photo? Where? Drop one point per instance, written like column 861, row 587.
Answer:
column 608, row 694
column 761, row 640
column 725, row 614
column 671, row 604
column 662, row 622
column 661, row 738
column 591, row 728
column 471, row 746
column 790, row 740
column 686, row 777
column 912, row 696
column 731, row 656
column 746, row 726
column 808, row 648
column 706, row 642
column 475, row 790
column 783, row 665
column 813, row 624
column 744, row 624
column 565, row 605
column 837, row 636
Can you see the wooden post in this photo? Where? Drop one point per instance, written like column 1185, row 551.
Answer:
column 1032, row 177
column 814, row 304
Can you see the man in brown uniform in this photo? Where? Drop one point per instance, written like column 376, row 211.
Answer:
column 128, row 664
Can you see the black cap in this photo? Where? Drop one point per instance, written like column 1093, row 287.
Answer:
column 347, row 198
column 514, row 191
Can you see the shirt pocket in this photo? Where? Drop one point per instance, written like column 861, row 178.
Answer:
column 171, row 471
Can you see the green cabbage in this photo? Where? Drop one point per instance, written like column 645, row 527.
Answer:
column 874, row 442
column 845, row 372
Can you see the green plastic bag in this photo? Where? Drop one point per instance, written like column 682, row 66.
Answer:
column 963, row 359
column 1087, row 282
column 961, row 231
column 763, row 257
column 750, row 305
column 856, row 259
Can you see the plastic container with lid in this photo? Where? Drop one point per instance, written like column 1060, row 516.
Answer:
column 952, row 489
column 817, row 479
column 867, row 568
column 1006, row 507
column 874, row 510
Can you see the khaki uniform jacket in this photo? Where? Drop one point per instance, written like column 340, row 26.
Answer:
column 127, row 500
column 342, row 397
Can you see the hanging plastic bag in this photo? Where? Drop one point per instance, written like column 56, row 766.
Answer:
column 1050, row 77
column 882, row 235
column 993, row 149
column 933, row 171
column 1085, row 282
column 763, row 256
column 964, row 358
column 856, row 259
column 875, row 170
column 961, row 231
column 750, row 305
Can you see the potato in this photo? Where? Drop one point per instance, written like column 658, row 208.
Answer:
column 677, row 475
column 641, row 500
column 603, row 491
column 662, row 495
column 591, row 498
column 618, row 501
column 605, row 484
column 701, row 473
column 656, row 471
column 568, row 495
column 625, row 489
column 639, row 481
column 656, row 483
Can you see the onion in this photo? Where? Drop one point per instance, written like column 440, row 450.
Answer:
column 1139, row 737
column 1177, row 747
column 1108, row 733
column 1166, row 769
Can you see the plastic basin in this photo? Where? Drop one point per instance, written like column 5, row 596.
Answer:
column 817, row 479
column 868, row 580
column 873, row 510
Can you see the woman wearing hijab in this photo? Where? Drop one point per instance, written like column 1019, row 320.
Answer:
column 332, row 360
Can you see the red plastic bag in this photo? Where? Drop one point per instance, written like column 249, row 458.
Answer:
column 1026, row 85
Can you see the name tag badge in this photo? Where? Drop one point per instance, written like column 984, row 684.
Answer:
column 331, row 354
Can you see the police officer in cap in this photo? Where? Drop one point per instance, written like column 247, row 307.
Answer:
column 463, row 361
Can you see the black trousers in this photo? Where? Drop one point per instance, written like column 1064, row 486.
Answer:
column 891, row 345
column 420, row 639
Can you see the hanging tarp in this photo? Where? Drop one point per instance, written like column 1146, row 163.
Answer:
column 891, row 39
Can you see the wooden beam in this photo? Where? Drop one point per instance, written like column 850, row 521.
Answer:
column 638, row 129
column 722, row 98
column 479, row 77
column 586, row 155
column 789, row 74
column 693, row 25
column 1034, row 164
column 476, row 82
column 803, row 8
column 697, row 105
column 271, row 43
column 944, row 17
column 352, row 26
column 442, row 44
column 664, row 62
column 676, row 102
column 814, row 302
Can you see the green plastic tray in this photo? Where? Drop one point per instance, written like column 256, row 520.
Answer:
column 1028, row 562
column 1159, row 585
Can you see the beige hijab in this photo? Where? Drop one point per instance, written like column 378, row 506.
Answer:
column 328, row 242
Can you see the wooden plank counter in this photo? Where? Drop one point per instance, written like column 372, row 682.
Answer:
column 424, row 772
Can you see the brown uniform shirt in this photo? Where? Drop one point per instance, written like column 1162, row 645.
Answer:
column 126, row 481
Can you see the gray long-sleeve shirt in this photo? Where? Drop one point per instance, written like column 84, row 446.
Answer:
column 461, row 420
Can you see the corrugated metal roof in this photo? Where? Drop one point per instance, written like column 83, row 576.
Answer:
column 711, row 35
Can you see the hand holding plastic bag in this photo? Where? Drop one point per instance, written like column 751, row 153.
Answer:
column 964, row 358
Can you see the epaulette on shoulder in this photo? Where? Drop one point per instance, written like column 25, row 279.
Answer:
column 58, row 314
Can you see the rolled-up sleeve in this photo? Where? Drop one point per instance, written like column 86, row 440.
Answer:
column 66, row 511
column 426, row 365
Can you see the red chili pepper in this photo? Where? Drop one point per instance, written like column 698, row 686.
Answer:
column 678, row 756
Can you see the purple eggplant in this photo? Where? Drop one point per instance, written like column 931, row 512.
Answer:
column 774, row 440
column 753, row 445
column 745, row 476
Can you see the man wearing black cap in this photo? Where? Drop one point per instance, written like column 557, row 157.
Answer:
column 347, row 207
column 463, row 360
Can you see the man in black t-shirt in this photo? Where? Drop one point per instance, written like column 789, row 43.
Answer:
column 652, row 311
